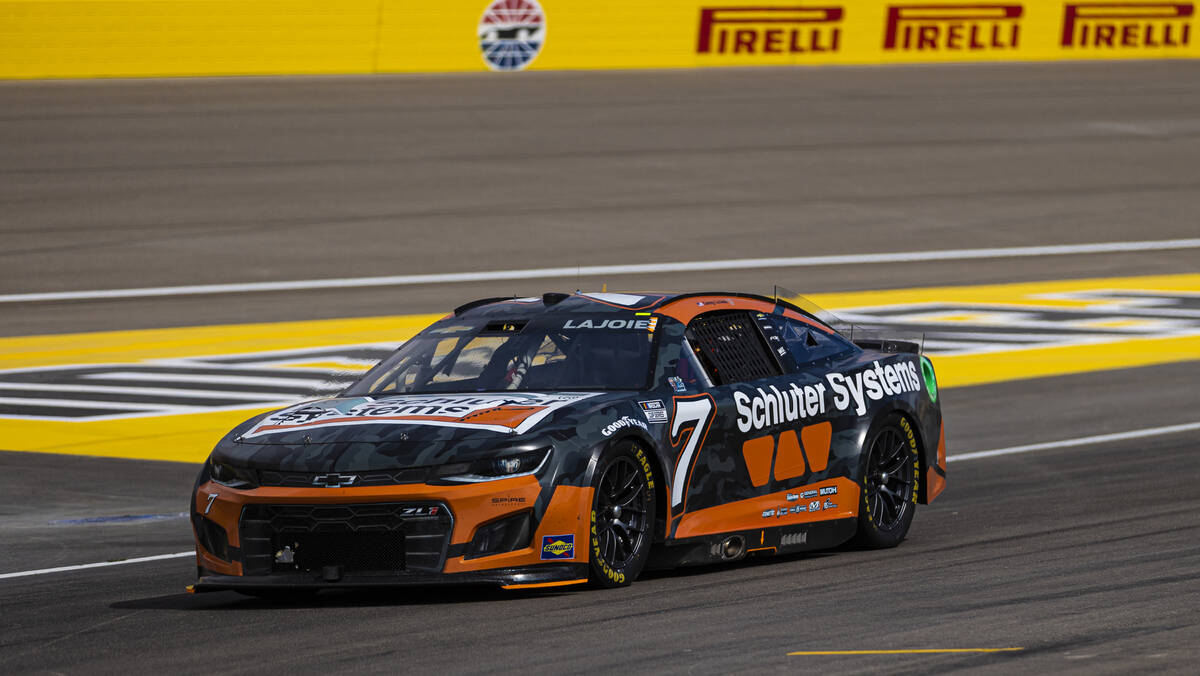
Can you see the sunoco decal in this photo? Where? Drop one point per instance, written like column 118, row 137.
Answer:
column 772, row 406
column 511, row 33
column 516, row 412
column 558, row 547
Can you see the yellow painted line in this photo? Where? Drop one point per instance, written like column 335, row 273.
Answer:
column 1116, row 324
column 134, row 346
column 182, row 438
column 966, row 317
column 1017, row 294
column 1021, row 363
column 1061, row 360
column 190, row 437
column 918, row 651
column 329, row 366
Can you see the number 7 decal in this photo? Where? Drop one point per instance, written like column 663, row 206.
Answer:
column 692, row 416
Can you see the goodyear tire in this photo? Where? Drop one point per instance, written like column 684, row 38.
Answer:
column 889, row 483
column 622, row 516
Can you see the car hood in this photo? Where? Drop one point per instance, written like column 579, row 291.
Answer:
column 400, row 431
column 409, row 417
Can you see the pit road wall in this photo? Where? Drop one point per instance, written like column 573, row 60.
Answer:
column 150, row 38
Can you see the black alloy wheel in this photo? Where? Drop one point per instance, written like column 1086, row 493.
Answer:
column 889, row 484
column 622, row 516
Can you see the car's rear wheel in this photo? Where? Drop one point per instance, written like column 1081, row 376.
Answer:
column 622, row 516
column 889, row 483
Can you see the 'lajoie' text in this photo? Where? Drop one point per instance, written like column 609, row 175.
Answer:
column 774, row 407
column 609, row 324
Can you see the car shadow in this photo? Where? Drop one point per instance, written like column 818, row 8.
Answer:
column 434, row 595
column 748, row 562
column 340, row 598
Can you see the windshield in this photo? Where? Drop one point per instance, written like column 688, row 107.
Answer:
column 564, row 353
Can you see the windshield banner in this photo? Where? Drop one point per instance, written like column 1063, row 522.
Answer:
column 515, row 412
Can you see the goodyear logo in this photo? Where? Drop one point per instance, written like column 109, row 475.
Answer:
column 558, row 547
column 769, row 30
column 952, row 28
column 1131, row 25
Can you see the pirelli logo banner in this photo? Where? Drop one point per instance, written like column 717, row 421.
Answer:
column 952, row 27
column 1128, row 26
column 120, row 38
column 769, row 30
column 728, row 33
column 867, row 31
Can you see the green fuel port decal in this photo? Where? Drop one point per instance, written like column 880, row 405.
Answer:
column 930, row 377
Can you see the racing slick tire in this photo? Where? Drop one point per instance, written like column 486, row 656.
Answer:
column 889, row 483
column 622, row 515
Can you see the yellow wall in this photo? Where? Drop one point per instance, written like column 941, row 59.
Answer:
column 120, row 38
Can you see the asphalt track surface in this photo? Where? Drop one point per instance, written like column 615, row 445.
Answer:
column 1085, row 557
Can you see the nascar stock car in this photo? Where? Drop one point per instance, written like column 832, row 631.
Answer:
column 537, row 442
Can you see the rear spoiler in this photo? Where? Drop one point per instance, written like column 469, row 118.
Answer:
column 876, row 338
column 891, row 345
column 868, row 338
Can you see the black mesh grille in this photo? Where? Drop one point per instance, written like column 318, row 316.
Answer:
column 212, row 537
column 734, row 347
column 355, row 552
column 367, row 537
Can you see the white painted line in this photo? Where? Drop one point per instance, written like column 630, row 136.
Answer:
column 103, row 564
column 80, row 403
column 1082, row 441
column 148, row 391
column 231, row 379
column 611, row 270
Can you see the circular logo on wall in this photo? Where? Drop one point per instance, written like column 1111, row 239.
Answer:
column 511, row 33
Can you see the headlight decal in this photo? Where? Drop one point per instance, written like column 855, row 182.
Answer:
column 503, row 467
column 232, row 476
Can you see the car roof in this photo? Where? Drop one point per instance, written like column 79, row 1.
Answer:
column 680, row 306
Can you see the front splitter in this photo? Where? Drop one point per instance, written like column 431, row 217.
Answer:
column 526, row 577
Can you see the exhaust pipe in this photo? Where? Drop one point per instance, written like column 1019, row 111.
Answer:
column 733, row 547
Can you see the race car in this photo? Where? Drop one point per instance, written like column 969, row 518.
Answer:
column 575, row 438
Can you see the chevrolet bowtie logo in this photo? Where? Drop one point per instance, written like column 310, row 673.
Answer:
column 334, row 480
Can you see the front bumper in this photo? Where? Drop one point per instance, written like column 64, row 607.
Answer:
column 235, row 530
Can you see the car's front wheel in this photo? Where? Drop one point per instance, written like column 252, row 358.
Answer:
column 889, row 483
column 622, row 515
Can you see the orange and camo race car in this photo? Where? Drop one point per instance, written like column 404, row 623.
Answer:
column 536, row 442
